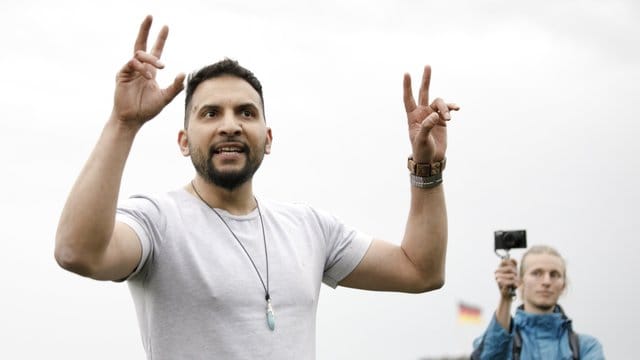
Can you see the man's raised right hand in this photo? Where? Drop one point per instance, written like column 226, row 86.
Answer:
column 138, row 98
column 507, row 277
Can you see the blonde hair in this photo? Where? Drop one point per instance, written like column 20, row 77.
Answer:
column 542, row 249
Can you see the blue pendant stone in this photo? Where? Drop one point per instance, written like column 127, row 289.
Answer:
column 271, row 320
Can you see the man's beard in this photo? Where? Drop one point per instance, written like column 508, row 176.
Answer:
column 541, row 305
column 228, row 180
column 545, row 307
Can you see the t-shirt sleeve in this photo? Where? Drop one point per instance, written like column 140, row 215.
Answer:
column 345, row 248
column 143, row 215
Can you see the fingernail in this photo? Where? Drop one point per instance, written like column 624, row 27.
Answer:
column 447, row 116
column 160, row 63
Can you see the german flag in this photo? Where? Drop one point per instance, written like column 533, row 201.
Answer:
column 469, row 314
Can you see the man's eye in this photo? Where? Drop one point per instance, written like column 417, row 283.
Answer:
column 210, row 113
column 247, row 113
column 536, row 273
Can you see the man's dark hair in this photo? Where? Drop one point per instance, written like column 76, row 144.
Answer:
column 218, row 69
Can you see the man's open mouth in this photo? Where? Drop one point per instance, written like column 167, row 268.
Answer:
column 227, row 148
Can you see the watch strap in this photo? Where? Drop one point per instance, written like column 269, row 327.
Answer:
column 426, row 182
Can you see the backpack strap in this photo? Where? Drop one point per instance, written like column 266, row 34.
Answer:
column 517, row 344
column 574, row 341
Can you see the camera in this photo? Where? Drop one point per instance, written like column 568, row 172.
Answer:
column 510, row 239
column 506, row 240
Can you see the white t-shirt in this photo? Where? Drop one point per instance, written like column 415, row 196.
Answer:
column 198, row 296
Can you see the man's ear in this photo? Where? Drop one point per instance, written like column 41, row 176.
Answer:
column 183, row 142
column 267, row 145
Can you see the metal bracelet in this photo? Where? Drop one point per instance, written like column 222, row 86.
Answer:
column 426, row 182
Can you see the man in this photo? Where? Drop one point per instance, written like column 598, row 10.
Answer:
column 540, row 329
column 214, row 272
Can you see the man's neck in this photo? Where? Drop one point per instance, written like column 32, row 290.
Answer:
column 239, row 201
column 532, row 309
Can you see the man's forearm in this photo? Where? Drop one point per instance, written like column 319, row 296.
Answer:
column 87, row 220
column 425, row 240
column 503, row 313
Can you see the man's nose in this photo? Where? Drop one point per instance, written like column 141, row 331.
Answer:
column 230, row 126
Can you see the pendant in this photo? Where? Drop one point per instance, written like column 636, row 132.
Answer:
column 271, row 320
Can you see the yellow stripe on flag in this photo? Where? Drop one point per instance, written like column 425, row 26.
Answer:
column 469, row 314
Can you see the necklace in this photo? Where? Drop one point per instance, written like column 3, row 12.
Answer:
column 271, row 321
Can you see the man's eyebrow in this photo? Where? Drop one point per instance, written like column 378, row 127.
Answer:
column 206, row 106
column 241, row 105
column 200, row 107
column 543, row 268
column 246, row 105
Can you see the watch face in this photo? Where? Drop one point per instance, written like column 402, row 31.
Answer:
column 426, row 170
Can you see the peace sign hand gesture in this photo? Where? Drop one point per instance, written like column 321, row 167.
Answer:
column 427, row 122
column 138, row 98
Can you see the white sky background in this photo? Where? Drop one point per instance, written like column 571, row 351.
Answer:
column 544, row 141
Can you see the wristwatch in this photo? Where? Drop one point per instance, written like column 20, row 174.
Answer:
column 426, row 170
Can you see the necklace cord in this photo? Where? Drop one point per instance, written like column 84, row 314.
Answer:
column 264, row 241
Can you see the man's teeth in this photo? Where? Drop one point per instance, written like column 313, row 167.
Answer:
column 229, row 149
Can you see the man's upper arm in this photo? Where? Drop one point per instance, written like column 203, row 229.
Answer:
column 122, row 256
column 384, row 267
column 139, row 221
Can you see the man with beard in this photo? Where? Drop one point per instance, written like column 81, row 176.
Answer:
column 214, row 271
column 540, row 329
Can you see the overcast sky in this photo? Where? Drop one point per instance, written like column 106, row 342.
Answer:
column 545, row 141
